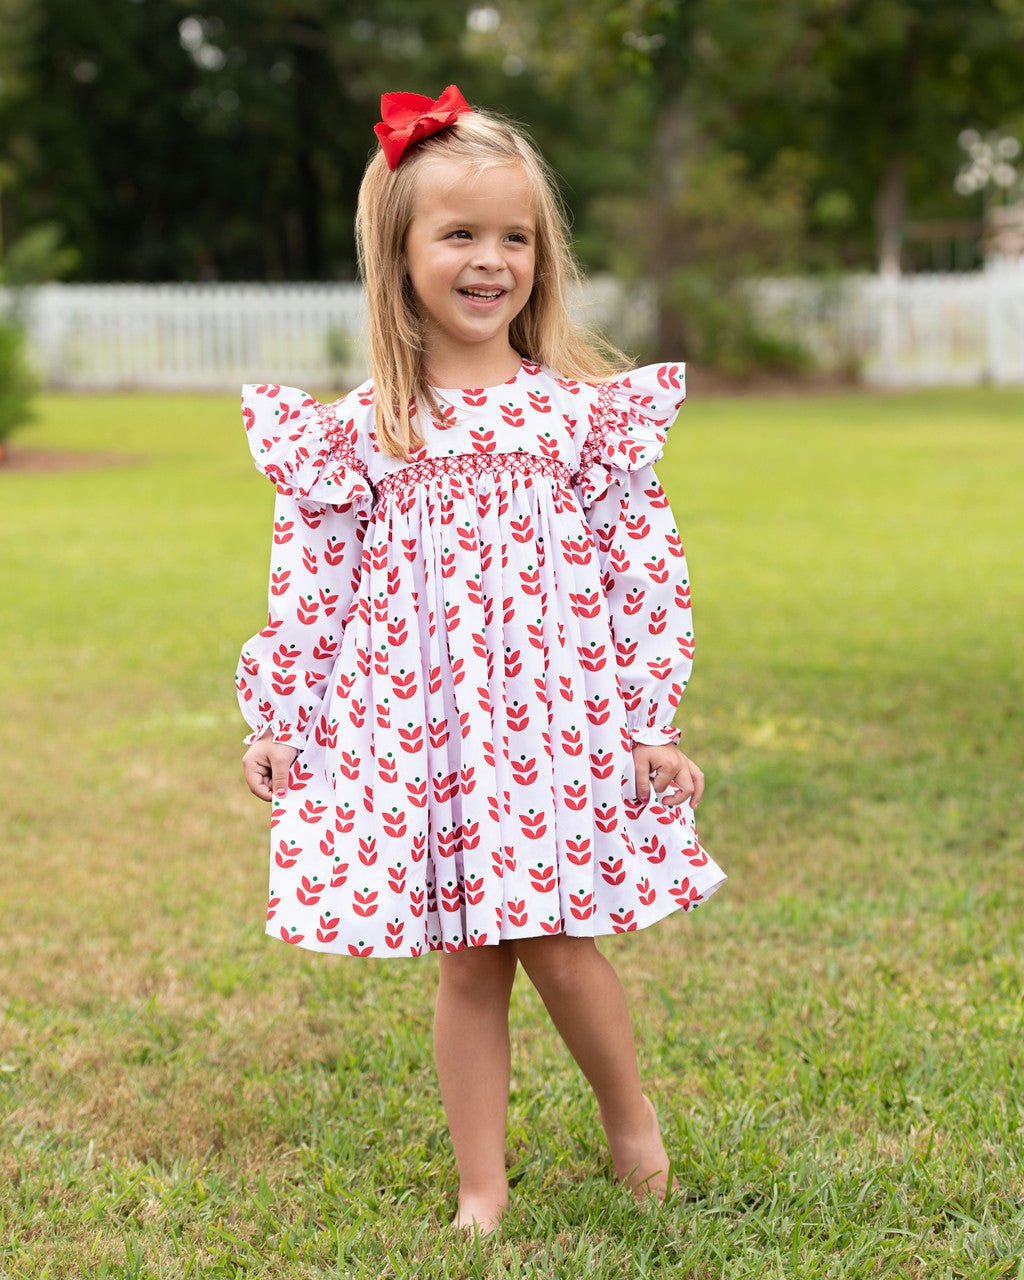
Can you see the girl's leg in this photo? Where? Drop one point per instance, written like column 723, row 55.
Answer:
column 587, row 1004
column 471, row 1047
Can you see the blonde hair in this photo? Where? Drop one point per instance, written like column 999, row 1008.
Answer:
column 543, row 332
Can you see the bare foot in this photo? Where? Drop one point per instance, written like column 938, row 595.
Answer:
column 479, row 1213
column 640, row 1159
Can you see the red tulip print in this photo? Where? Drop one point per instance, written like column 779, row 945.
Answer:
column 483, row 441
column 645, row 892
column 582, row 905
column 534, row 825
column 512, row 416
column 309, row 891
column 575, row 796
column 597, row 710
column 578, row 851
column 637, row 526
column 524, row 770
column 613, row 871
column 585, row 604
column 365, row 903
column 394, row 823
column 517, row 716
column 327, row 929
column 436, row 709
column 445, row 786
column 684, row 893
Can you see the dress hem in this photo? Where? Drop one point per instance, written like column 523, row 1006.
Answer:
column 336, row 946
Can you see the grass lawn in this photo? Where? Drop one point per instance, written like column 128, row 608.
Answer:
column 835, row 1043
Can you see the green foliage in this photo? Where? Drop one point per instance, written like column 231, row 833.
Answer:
column 222, row 142
column 227, row 142
column 39, row 255
column 17, row 386
column 732, row 227
column 720, row 327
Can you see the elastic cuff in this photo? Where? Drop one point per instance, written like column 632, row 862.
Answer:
column 281, row 731
column 654, row 737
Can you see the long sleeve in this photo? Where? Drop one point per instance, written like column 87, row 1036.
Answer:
column 643, row 564
column 314, row 574
column 322, row 506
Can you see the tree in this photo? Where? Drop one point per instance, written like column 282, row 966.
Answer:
column 227, row 139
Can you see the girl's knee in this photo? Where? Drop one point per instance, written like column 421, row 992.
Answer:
column 559, row 965
column 478, row 972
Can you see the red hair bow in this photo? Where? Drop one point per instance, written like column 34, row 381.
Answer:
column 408, row 117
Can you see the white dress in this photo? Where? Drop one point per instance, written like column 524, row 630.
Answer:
column 464, row 646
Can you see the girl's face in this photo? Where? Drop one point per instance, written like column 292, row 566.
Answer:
column 469, row 252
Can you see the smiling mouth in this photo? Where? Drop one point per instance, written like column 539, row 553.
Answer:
column 482, row 295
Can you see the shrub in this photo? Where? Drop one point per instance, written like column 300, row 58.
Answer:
column 17, row 386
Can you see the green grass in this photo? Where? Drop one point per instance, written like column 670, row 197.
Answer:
column 835, row 1042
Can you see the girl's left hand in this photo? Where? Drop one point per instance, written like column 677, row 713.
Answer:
column 668, row 770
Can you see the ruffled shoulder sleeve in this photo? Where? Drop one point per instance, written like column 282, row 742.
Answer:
column 306, row 448
column 628, row 425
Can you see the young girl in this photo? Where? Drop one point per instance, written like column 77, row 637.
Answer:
column 479, row 631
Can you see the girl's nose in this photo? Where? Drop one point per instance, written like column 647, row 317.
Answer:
column 488, row 256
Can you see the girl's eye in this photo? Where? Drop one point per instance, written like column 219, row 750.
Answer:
column 518, row 237
column 461, row 234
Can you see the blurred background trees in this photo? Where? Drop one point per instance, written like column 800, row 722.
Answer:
column 699, row 141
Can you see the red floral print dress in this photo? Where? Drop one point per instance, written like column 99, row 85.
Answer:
column 464, row 646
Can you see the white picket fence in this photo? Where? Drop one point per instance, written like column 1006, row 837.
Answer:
column 913, row 331
column 925, row 330
column 195, row 337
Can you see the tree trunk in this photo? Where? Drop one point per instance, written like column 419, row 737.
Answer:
column 671, row 158
column 890, row 215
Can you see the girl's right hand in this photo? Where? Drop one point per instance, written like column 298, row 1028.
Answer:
column 266, row 766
